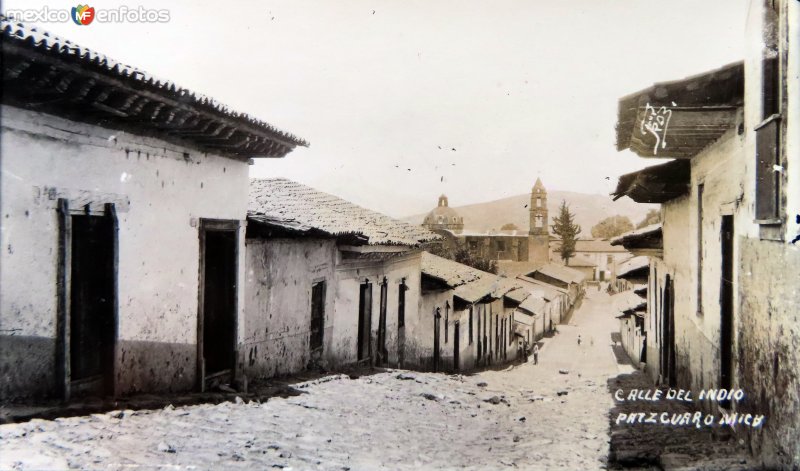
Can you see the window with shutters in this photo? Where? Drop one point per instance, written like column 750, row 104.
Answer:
column 768, row 133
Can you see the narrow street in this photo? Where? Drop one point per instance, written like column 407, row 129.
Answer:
column 553, row 415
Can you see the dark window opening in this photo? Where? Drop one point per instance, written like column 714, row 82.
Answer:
column 364, row 321
column 437, row 316
column 317, row 315
column 456, row 347
column 497, row 336
column 480, row 343
column 382, row 354
column 446, row 319
column 401, row 304
column 470, row 325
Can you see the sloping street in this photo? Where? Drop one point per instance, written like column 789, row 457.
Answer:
column 553, row 415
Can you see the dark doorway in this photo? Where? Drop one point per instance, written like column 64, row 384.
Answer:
column 92, row 304
column 364, row 320
column 668, row 332
column 487, row 335
column 382, row 354
column 497, row 345
column 456, row 345
column 218, row 270
column 437, row 317
column 317, row 317
column 401, row 322
column 726, row 307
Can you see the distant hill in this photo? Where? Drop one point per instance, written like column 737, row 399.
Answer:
column 588, row 210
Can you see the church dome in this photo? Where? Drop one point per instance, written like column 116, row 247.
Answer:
column 444, row 217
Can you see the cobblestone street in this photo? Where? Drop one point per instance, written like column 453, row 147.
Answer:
column 558, row 414
column 547, row 416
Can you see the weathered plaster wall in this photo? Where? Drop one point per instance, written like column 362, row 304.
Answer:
column 420, row 337
column 277, row 323
column 697, row 321
column 769, row 345
column 678, row 263
column 349, row 275
column 160, row 190
column 768, row 327
column 632, row 339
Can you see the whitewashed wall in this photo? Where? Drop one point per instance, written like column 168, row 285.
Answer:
column 161, row 191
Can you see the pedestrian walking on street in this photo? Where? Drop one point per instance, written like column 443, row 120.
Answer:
column 579, row 339
column 536, row 354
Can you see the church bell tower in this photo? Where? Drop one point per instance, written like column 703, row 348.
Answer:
column 538, row 235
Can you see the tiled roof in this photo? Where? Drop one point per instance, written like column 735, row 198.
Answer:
column 632, row 267
column 655, row 184
column 524, row 317
column 695, row 111
column 653, row 231
column 287, row 204
column 562, row 273
column 467, row 283
column 56, row 76
column 474, row 291
column 450, row 272
column 547, row 290
column 640, row 290
column 534, row 304
column 518, row 294
column 628, row 301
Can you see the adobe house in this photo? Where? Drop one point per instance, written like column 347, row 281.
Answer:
column 328, row 283
column 123, row 205
column 722, row 299
column 553, row 311
column 469, row 320
column 595, row 258
column 562, row 277
column 632, row 308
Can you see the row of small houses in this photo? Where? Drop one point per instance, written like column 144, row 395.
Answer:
column 138, row 256
column 720, row 272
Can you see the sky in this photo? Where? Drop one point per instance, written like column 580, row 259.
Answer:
column 403, row 100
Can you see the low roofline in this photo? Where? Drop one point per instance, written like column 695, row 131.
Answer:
column 646, row 237
column 51, row 75
column 655, row 184
column 680, row 118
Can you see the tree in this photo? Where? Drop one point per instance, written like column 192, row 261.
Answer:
column 564, row 226
column 509, row 226
column 653, row 216
column 612, row 227
column 462, row 255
